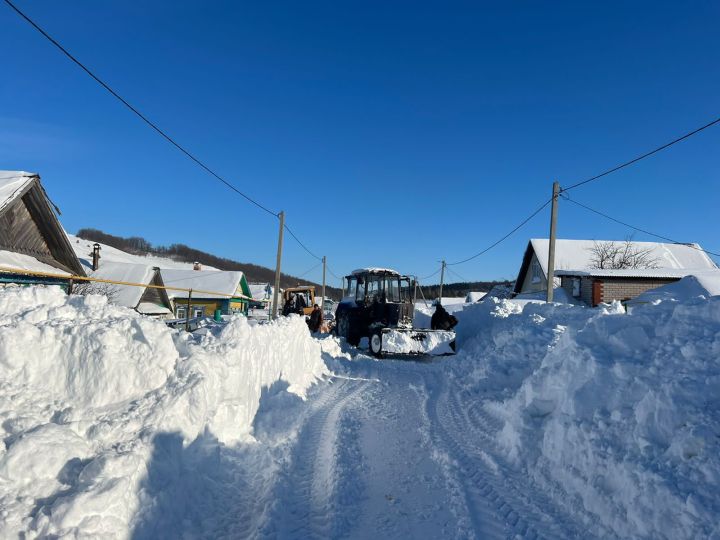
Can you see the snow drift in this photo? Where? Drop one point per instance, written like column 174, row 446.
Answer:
column 616, row 415
column 87, row 387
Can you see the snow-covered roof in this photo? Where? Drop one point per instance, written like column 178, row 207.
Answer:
column 577, row 254
column 125, row 295
column 374, row 270
column 657, row 273
column 148, row 308
column 20, row 261
column 13, row 184
column 226, row 283
column 83, row 249
column 259, row 291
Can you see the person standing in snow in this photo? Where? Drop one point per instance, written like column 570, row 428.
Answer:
column 315, row 320
column 441, row 319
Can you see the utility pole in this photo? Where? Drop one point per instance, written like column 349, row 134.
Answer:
column 322, row 304
column 442, row 279
column 276, row 292
column 551, row 249
column 187, row 315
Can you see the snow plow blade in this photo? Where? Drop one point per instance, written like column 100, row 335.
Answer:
column 414, row 341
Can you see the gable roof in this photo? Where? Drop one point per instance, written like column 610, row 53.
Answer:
column 31, row 227
column 126, row 295
column 226, row 283
column 576, row 255
column 260, row 291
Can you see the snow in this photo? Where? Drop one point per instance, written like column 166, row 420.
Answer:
column 83, row 249
column 12, row 184
column 616, row 415
column 551, row 421
column 474, row 296
column 148, row 308
column 223, row 282
column 576, row 254
column 260, row 291
column 433, row 342
column 15, row 261
column 375, row 270
column 657, row 273
column 89, row 392
column 125, row 295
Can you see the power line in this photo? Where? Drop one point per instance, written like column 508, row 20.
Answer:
column 535, row 213
column 138, row 113
column 332, row 273
column 456, row 274
column 429, row 276
column 647, row 154
column 637, row 228
column 301, row 244
column 306, row 273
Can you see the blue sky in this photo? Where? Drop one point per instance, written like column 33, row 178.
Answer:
column 391, row 133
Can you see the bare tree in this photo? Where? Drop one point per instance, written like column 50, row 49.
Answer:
column 93, row 287
column 619, row 255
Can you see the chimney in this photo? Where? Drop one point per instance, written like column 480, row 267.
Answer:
column 197, row 266
column 96, row 256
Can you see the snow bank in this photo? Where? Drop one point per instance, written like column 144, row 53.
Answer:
column 617, row 416
column 86, row 389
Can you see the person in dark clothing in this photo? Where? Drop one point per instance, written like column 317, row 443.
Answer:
column 289, row 306
column 442, row 320
column 300, row 304
column 315, row 319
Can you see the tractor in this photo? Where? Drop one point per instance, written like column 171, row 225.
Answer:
column 379, row 304
column 304, row 296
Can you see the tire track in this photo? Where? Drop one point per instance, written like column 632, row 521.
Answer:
column 305, row 498
column 526, row 511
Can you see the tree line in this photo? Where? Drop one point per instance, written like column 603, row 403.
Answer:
column 457, row 290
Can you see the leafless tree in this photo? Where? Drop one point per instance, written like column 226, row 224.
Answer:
column 93, row 287
column 619, row 255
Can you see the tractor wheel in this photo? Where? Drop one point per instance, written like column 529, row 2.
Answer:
column 344, row 329
column 376, row 343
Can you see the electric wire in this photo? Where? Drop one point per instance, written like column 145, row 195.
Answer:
column 312, row 269
column 661, row 237
column 137, row 112
column 429, row 276
column 645, row 155
column 301, row 244
column 333, row 274
column 154, row 126
column 457, row 275
column 535, row 213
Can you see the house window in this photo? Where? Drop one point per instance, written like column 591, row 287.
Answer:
column 576, row 287
column 180, row 312
column 536, row 271
column 198, row 312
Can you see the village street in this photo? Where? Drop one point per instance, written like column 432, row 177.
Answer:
column 393, row 450
column 385, row 448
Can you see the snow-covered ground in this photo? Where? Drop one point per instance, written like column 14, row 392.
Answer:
column 552, row 421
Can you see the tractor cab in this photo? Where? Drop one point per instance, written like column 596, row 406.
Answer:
column 374, row 298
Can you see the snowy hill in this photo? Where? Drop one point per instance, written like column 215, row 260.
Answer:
column 83, row 249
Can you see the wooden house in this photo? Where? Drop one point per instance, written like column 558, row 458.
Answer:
column 226, row 291
column 148, row 300
column 32, row 241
